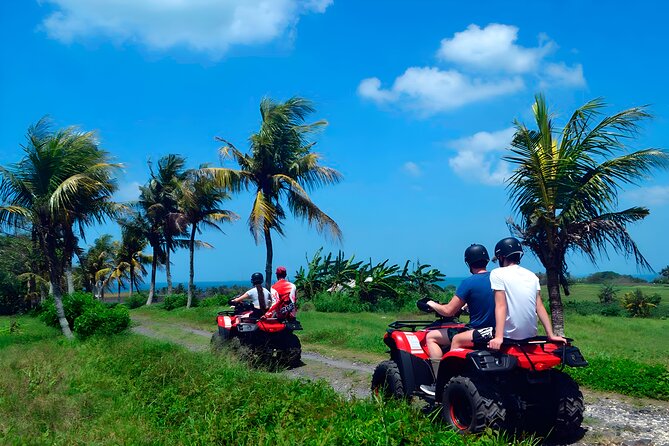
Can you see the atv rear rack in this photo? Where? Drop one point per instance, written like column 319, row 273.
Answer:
column 414, row 325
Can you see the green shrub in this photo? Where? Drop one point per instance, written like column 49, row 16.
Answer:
column 639, row 304
column 338, row 302
column 102, row 320
column 607, row 294
column 74, row 305
column 173, row 301
column 135, row 301
column 611, row 310
column 216, row 300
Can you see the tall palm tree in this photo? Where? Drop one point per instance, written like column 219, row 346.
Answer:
column 150, row 223
column 133, row 243
column 97, row 258
column 565, row 188
column 281, row 167
column 159, row 201
column 199, row 200
column 59, row 171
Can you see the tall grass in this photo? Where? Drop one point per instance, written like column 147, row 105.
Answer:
column 128, row 390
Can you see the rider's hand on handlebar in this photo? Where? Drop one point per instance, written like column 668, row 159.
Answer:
column 423, row 306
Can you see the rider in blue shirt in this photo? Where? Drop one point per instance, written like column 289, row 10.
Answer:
column 476, row 292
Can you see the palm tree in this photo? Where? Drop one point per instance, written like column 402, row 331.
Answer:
column 97, row 258
column 281, row 167
column 159, row 201
column 133, row 243
column 150, row 223
column 59, row 171
column 118, row 272
column 199, row 201
column 565, row 188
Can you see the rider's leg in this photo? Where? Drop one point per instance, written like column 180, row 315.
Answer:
column 462, row 340
column 434, row 340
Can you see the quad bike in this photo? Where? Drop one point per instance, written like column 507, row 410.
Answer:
column 266, row 341
column 521, row 387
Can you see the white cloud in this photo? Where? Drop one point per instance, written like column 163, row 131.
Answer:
column 484, row 63
column 493, row 48
column 656, row 195
column 561, row 74
column 209, row 26
column 412, row 169
column 430, row 90
column 476, row 159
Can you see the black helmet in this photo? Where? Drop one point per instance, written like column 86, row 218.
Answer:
column 508, row 246
column 476, row 253
column 257, row 278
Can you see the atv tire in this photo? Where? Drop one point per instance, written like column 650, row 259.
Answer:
column 290, row 353
column 470, row 405
column 568, row 400
column 218, row 342
column 387, row 381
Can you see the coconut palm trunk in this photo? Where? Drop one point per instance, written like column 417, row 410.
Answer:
column 555, row 299
column 54, row 278
column 269, row 258
column 152, row 286
column 191, row 275
column 168, row 269
column 69, row 277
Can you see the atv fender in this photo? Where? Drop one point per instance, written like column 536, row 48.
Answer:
column 414, row 368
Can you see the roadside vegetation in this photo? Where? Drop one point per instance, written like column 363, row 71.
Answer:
column 64, row 393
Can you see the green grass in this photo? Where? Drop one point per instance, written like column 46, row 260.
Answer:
column 126, row 389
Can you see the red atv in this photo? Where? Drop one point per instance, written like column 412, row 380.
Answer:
column 267, row 341
column 520, row 387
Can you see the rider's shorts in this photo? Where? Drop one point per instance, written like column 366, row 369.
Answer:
column 483, row 334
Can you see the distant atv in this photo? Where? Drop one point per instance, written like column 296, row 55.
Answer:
column 268, row 341
column 516, row 388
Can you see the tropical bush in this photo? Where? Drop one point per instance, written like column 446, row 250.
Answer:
column 173, row 301
column 338, row 302
column 216, row 300
column 639, row 304
column 74, row 305
column 135, row 301
column 375, row 285
column 102, row 320
column 86, row 315
column 607, row 294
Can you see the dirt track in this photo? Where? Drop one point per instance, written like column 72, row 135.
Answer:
column 610, row 419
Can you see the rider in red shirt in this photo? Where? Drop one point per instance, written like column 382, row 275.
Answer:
column 284, row 297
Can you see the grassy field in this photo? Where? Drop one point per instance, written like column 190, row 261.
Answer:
column 127, row 389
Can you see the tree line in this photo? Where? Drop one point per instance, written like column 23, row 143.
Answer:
column 65, row 183
column 563, row 189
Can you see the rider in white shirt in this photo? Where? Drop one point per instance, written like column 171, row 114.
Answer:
column 517, row 297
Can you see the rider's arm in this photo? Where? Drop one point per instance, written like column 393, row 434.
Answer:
column 450, row 309
column 500, row 320
column 240, row 298
column 542, row 314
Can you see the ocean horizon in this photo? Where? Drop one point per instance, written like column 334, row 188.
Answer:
column 455, row 281
column 448, row 281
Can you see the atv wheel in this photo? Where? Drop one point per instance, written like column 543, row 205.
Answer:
column 290, row 353
column 569, row 401
column 218, row 342
column 387, row 381
column 471, row 405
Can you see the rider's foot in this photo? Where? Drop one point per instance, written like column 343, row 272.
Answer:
column 429, row 390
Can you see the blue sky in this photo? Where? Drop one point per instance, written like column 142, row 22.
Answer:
column 420, row 97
